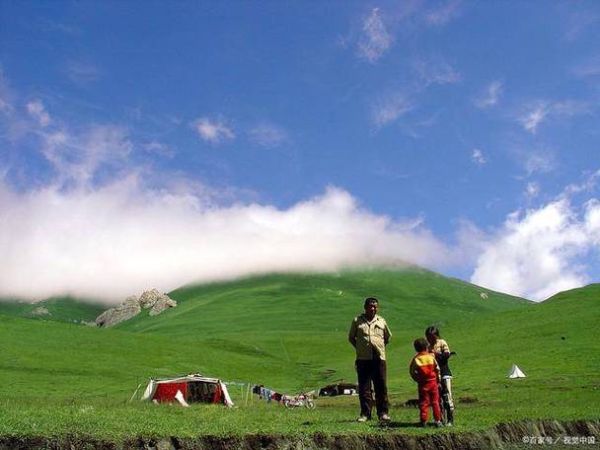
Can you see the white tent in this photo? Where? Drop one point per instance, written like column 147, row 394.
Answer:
column 515, row 372
column 187, row 389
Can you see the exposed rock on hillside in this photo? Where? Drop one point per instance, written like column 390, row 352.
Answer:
column 40, row 311
column 156, row 301
column 132, row 306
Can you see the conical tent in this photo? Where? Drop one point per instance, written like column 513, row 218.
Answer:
column 515, row 372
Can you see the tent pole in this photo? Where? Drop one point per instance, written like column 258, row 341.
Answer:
column 134, row 392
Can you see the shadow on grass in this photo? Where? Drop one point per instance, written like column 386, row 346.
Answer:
column 399, row 425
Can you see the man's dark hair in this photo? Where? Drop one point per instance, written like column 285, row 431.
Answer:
column 371, row 300
column 421, row 344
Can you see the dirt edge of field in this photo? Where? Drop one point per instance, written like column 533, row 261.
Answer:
column 504, row 435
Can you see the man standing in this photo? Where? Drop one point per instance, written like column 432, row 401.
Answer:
column 369, row 334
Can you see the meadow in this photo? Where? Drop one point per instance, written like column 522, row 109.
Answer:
column 288, row 332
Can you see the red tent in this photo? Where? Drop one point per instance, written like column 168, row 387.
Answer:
column 192, row 388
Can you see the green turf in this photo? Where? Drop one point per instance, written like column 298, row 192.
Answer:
column 289, row 333
column 61, row 309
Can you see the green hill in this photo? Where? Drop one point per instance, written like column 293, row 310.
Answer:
column 61, row 309
column 292, row 302
column 588, row 293
column 289, row 316
column 288, row 331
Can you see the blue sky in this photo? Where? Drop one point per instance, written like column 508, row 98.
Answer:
column 157, row 143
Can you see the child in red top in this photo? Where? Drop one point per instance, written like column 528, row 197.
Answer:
column 425, row 371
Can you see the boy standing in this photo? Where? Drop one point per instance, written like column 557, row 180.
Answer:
column 425, row 371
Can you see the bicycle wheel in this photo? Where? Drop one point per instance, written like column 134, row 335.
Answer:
column 443, row 409
column 447, row 411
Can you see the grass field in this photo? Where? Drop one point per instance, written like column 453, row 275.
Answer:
column 61, row 309
column 288, row 332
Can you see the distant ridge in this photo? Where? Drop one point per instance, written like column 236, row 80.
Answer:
column 59, row 309
column 589, row 292
column 332, row 297
column 403, row 290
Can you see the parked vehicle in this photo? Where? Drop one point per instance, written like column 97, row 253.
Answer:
column 298, row 401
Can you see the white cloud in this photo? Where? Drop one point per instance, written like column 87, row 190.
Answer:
column 268, row 135
column 444, row 14
column 159, row 148
column 375, row 40
column 436, row 71
column 570, row 108
column 416, row 127
column 77, row 158
column 388, row 109
column 532, row 190
column 539, row 252
column 534, row 116
column 215, row 131
column 477, row 157
column 490, row 96
column 588, row 184
column 540, row 111
column 592, row 220
column 538, row 161
column 535, row 254
column 37, row 110
column 535, row 160
column 119, row 239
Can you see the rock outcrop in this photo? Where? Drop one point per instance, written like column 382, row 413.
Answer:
column 132, row 306
column 156, row 301
column 40, row 311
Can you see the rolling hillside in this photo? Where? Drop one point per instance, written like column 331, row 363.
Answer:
column 292, row 302
column 289, row 316
column 61, row 309
column 289, row 332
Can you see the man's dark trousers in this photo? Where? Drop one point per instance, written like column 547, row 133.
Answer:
column 372, row 371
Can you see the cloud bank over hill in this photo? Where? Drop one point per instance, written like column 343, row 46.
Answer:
column 536, row 253
column 97, row 219
column 109, row 242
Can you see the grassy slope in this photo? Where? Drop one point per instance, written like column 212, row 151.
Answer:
column 555, row 343
column 287, row 331
column 302, row 320
column 62, row 309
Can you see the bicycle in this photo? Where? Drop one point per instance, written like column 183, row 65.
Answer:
column 446, row 406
